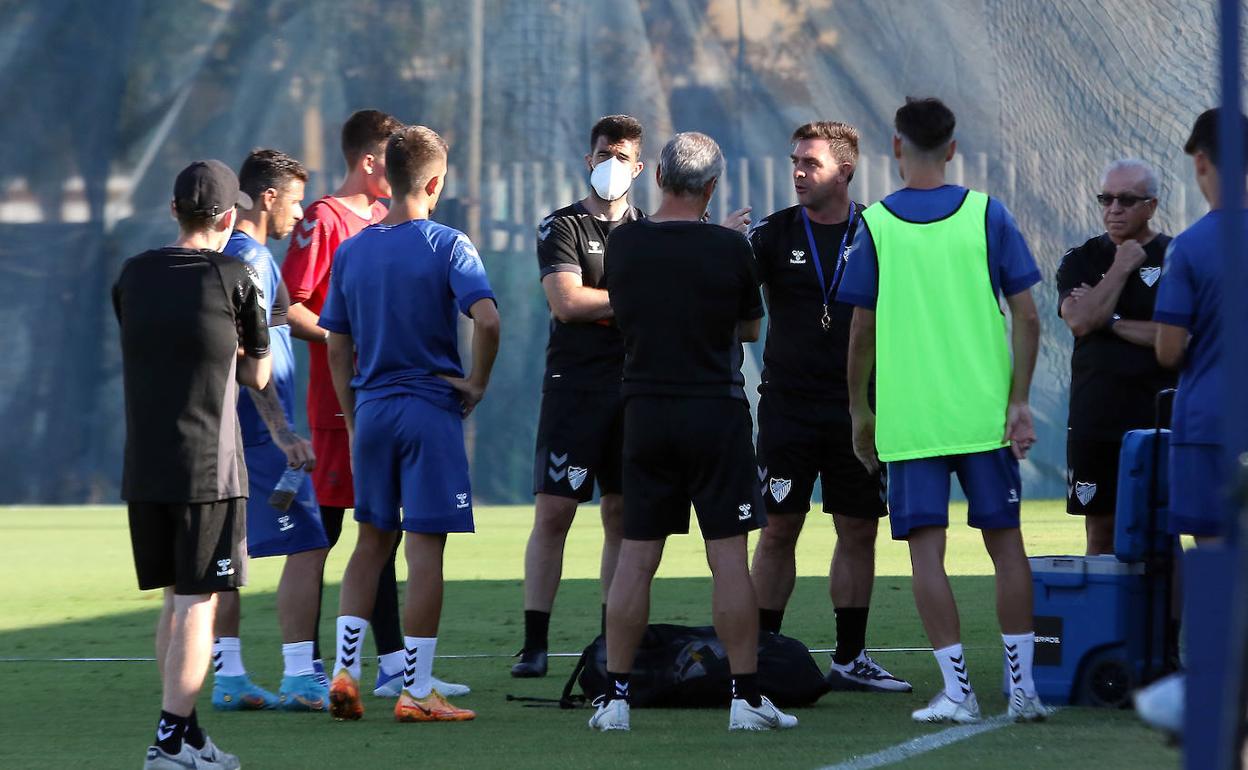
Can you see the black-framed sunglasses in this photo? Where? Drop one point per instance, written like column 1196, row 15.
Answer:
column 1106, row 200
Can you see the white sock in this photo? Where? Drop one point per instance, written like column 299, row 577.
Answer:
column 351, row 631
column 953, row 669
column 418, row 664
column 391, row 662
column 1020, row 650
column 227, row 656
column 298, row 658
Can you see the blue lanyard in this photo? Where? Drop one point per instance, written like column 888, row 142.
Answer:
column 827, row 290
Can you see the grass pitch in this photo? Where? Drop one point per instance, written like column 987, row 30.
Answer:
column 70, row 593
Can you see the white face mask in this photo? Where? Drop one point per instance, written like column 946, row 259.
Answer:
column 611, row 179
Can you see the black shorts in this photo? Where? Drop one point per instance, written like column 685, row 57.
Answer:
column 198, row 548
column 683, row 450
column 1092, row 477
column 580, row 440
column 801, row 438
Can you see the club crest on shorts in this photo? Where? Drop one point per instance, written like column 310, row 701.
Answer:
column 576, row 476
column 1084, row 492
column 1149, row 275
column 780, row 488
column 745, row 511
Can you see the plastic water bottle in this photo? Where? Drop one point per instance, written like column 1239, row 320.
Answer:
column 286, row 489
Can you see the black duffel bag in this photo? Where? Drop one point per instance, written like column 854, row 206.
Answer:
column 679, row 666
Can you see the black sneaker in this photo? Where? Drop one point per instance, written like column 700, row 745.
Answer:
column 532, row 664
column 863, row 674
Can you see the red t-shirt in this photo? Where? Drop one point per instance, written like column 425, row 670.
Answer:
column 325, row 225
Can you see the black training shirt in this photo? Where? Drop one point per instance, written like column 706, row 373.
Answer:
column 580, row 356
column 1113, row 383
column 800, row 357
column 678, row 290
column 183, row 316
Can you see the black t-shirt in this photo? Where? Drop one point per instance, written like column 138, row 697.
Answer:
column 580, row 356
column 678, row 290
column 183, row 316
column 800, row 357
column 1113, row 383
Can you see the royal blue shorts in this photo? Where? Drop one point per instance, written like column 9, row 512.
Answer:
column 271, row 532
column 1197, row 482
column 918, row 491
column 409, row 454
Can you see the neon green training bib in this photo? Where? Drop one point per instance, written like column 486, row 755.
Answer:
column 942, row 360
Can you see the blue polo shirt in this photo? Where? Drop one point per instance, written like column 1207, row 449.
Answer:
column 258, row 257
column 398, row 291
column 1011, row 267
column 1190, row 297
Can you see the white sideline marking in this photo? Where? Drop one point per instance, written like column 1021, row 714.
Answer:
column 468, row 656
column 921, row 745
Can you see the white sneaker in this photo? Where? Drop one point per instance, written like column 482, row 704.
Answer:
column 942, row 708
column 186, row 759
column 743, row 716
column 611, row 715
column 864, row 674
column 1161, row 703
column 212, row 757
column 391, row 686
column 450, row 689
column 1027, row 708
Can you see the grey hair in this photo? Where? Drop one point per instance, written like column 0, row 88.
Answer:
column 1151, row 185
column 689, row 162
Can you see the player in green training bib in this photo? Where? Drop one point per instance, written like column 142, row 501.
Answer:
column 926, row 274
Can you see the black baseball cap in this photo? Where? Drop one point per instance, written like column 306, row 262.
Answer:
column 207, row 188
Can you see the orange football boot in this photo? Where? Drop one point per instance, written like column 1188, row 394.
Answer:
column 344, row 697
column 431, row 708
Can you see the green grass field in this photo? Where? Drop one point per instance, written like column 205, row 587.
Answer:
column 69, row 592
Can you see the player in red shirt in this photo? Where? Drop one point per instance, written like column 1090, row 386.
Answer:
column 326, row 224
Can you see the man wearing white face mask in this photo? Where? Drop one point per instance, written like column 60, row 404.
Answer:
column 579, row 435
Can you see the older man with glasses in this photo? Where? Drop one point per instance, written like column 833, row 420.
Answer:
column 1106, row 291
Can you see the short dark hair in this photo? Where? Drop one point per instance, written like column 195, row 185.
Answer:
column 366, row 131
column 842, row 138
column 925, row 122
column 1204, row 137
column 616, row 128
column 409, row 153
column 265, row 168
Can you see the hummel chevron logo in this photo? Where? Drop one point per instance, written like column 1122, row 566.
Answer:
column 762, row 474
column 557, row 475
column 304, row 239
column 558, row 460
column 217, row 664
column 164, row 732
column 557, row 472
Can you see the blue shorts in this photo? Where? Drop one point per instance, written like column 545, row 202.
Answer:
column 409, row 454
column 1197, row 482
column 918, row 491
column 271, row 532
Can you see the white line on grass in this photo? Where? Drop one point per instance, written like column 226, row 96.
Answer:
column 921, row 745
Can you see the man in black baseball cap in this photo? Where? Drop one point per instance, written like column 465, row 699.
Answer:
column 184, row 481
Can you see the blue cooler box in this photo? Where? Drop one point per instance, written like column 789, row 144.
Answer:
column 1092, row 628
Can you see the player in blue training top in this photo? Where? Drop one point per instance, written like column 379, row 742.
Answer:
column 942, row 233
column 275, row 182
column 394, row 299
column 1190, row 338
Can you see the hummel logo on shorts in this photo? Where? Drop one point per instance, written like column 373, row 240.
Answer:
column 224, row 567
column 744, row 508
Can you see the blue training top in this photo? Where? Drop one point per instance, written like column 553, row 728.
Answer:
column 397, row 290
column 1190, row 297
column 1011, row 267
column 255, row 254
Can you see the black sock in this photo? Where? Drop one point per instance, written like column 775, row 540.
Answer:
column 770, row 620
column 194, row 736
column 331, row 520
column 386, row 627
column 851, row 633
column 536, row 630
column 745, row 687
column 603, row 628
column 170, row 732
column 618, row 684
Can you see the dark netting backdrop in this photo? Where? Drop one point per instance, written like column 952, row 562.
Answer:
column 105, row 101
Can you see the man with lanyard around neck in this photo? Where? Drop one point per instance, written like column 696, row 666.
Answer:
column 1106, row 290
column 926, row 274
column 580, row 429
column 804, row 428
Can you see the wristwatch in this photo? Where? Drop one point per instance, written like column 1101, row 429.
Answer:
column 1115, row 318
